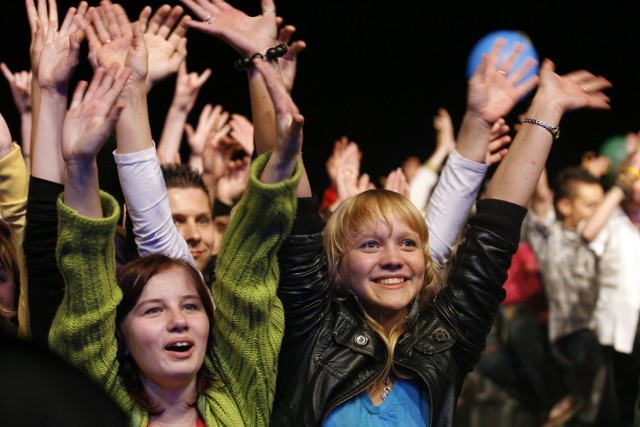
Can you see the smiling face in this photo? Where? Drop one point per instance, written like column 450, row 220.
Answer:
column 191, row 212
column 376, row 245
column 167, row 329
column 385, row 268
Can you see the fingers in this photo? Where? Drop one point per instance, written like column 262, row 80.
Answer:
column 143, row 18
column 202, row 78
column 53, row 14
column 268, row 6
column 170, row 21
column 79, row 92
column 7, row 72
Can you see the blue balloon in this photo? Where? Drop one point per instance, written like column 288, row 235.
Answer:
column 512, row 37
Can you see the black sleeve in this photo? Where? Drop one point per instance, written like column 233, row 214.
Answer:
column 46, row 286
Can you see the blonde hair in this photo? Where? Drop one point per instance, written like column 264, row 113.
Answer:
column 364, row 212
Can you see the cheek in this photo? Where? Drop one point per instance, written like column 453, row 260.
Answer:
column 140, row 336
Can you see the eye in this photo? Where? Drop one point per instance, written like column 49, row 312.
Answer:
column 153, row 310
column 204, row 220
column 409, row 243
column 190, row 307
column 369, row 244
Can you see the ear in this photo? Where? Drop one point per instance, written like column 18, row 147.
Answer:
column 564, row 207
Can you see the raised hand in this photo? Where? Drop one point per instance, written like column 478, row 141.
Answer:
column 288, row 142
column 231, row 185
column 289, row 62
column 245, row 34
column 20, row 85
column 575, row 90
column 495, row 88
column 165, row 37
column 595, row 164
column 242, row 131
column 397, row 181
column 92, row 114
column 188, row 86
column 212, row 126
column 498, row 142
column 113, row 39
column 349, row 182
column 54, row 53
column 333, row 162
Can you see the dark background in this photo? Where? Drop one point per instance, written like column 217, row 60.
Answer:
column 378, row 71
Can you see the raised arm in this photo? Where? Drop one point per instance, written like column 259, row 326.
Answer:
column 88, row 123
column 188, row 87
column 165, row 35
column 517, row 175
column 116, row 41
column 248, row 35
column 83, row 330
column 493, row 90
column 622, row 189
column 57, row 59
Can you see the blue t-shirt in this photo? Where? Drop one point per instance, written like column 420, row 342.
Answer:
column 407, row 405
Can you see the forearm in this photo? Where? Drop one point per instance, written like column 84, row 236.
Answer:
column 171, row 138
column 473, row 137
column 451, row 202
column 145, row 195
column 81, row 188
column 596, row 222
column 518, row 173
column 133, row 131
column 46, row 157
column 83, row 331
column 262, row 113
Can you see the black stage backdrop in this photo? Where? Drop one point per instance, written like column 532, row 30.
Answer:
column 378, row 71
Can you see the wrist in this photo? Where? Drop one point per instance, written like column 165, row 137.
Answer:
column 546, row 109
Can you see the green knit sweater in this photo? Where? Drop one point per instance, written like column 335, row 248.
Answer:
column 249, row 320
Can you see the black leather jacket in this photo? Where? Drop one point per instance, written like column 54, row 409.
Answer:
column 330, row 354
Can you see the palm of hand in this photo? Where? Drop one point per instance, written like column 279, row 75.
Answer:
column 160, row 51
column 83, row 130
column 240, row 30
column 492, row 97
column 118, row 51
column 57, row 63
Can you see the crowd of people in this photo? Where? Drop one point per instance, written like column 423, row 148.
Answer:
column 194, row 278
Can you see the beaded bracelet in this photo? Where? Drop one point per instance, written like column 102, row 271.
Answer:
column 242, row 64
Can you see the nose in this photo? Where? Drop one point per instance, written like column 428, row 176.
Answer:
column 191, row 232
column 178, row 321
column 391, row 258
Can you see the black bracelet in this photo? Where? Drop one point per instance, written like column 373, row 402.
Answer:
column 242, row 64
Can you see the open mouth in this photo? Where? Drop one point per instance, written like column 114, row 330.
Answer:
column 179, row 347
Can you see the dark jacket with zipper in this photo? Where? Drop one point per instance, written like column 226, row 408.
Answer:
column 330, row 354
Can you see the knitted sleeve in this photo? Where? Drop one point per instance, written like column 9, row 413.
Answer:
column 83, row 330
column 249, row 323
